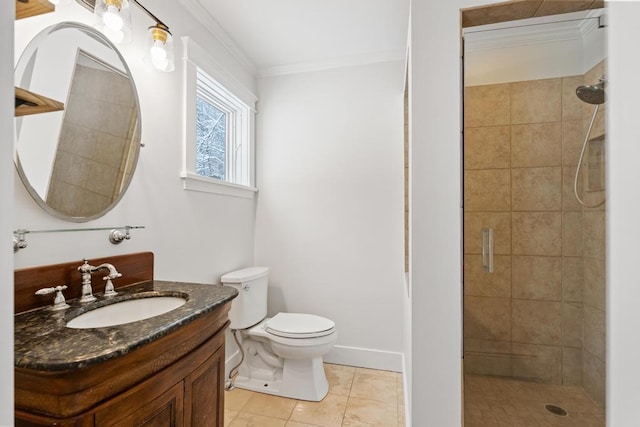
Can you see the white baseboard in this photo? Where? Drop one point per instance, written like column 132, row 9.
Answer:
column 365, row 358
column 350, row 356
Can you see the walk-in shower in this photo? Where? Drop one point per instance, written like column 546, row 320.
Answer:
column 591, row 94
column 534, row 325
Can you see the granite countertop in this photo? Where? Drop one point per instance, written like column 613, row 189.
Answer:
column 44, row 343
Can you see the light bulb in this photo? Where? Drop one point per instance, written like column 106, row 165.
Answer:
column 158, row 55
column 112, row 18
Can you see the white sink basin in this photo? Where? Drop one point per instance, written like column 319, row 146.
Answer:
column 126, row 312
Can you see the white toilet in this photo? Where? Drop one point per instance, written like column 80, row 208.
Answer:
column 283, row 354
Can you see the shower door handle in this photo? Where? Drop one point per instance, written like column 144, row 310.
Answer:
column 487, row 250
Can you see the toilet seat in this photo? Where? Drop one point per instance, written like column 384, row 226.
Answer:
column 299, row 325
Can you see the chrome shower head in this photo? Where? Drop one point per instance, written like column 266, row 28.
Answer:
column 593, row 94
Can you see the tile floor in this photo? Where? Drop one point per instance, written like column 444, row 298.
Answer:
column 357, row 397
column 506, row 402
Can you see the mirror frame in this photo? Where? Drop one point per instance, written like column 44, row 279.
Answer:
column 22, row 63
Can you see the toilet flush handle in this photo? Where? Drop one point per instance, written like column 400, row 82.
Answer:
column 246, row 287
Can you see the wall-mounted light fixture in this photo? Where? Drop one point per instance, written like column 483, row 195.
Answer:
column 115, row 23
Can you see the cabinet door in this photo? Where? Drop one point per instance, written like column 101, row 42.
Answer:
column 204, row 393
column 140, row 409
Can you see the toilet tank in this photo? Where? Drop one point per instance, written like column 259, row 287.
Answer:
column 250, row 306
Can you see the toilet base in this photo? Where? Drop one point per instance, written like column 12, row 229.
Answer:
column 302, row 379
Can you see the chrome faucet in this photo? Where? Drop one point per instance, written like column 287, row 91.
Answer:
column 109, row 289
column 87, row 292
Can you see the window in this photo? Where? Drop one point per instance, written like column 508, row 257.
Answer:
column 219, row 133
column 211, row 140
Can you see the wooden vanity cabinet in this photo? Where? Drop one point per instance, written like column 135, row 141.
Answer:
column 194, row 401
column 187, row 391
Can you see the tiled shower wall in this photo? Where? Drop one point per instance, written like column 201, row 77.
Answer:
column 544, row 304
column 91, row 159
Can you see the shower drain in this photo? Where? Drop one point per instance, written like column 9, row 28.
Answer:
column 556, row 410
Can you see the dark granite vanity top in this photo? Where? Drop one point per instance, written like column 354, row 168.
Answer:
column 44, row 343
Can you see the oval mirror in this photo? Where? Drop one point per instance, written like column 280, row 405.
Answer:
column 78, row 162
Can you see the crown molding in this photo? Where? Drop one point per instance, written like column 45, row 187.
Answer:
column 202, row 15
column 530, row 31
column 351, row 61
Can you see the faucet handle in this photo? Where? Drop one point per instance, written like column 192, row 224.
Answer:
column 59, row 303
column 109, row 289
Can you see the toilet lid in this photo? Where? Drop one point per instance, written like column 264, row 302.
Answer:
column 298, row 325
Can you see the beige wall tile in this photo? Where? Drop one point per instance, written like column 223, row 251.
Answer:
column 594, row 293
column 571, row 104
column 569, row 200
column 487, row 147
column 536, row 101
column 487, row 318
column 486, row 357
column 572, row 278
column 478, row 282
column 498, row 12
column 572, row 140
column 571, row 366
column 594, row 234
column 557, row 7
column 572, row 234
column 537, row 277
column 536, row 144
column 594, row 332
column 598, row 128
column 536, row 189
column 591, row 77
column 487, row 190
column 487, row 105
column 536, row 233
column 539, row 363
column 594, row 377
column 572, row 324
column 536, row 322
column 500, row 222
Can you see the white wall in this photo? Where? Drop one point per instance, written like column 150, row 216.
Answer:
column 195, row 236
column 7, row 12
column 435, row 273
column 329, row 219
column 623, row 316
column 434, row 135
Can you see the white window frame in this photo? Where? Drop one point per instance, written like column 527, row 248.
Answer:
column 239, row 104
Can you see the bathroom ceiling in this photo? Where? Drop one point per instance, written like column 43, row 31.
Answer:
column 280, row 35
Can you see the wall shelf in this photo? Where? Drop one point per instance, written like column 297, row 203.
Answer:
column 27, row 8
column 32, row 103
column 29, row 102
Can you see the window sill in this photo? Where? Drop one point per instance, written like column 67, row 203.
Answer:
column 205, row 184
